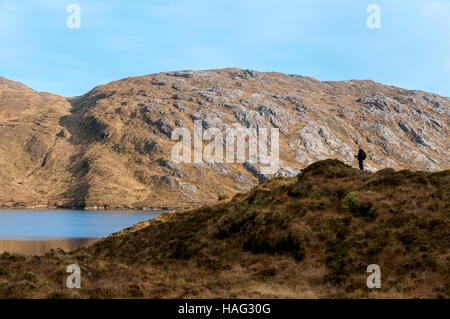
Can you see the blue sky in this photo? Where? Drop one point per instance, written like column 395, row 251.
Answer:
column 324, row 39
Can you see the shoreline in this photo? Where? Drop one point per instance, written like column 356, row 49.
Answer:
column 40, row 246
column 95, row 208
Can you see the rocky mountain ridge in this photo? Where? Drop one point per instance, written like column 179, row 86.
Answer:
column 111, row 147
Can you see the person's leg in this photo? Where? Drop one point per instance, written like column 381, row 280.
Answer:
column 361, row 166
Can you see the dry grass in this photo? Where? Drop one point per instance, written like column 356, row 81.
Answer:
column 306, row 237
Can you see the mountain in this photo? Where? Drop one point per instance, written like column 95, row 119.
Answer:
column 311, row 236
column 111, row 148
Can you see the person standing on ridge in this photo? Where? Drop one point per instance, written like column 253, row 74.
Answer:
column 361, row 157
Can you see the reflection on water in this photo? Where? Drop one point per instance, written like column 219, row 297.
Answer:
column 39, row 247
column 33, row 232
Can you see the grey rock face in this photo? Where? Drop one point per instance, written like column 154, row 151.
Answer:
column 317, row 120
column 276, row 115
column 286, row 171
column 312, row 139
column 150, row 145
column 167, row 180
column 409, row 130
column 242, row 178
column 165, row 127
column 222, row 169
column 183, row 74
column 167, row 164
column 380, row 102
column 209, row 120
column 256, row 170
column 249, row 118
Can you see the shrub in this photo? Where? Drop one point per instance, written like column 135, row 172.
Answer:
column 135, row 291
column 300, row 191
column 350, row 203
column 411, row 239
column 3, row 271
column 358, row 209
column 337, row 264
column 259, row 243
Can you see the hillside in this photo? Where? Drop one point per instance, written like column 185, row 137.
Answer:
column 310, row 236
column 110, row 148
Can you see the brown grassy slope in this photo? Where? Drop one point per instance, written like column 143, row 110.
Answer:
column 111, row 147
column 33, row 155
column 311, row 236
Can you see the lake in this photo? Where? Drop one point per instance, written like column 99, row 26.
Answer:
column 33, row 232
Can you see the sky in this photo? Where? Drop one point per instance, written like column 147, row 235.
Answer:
column 324, row 39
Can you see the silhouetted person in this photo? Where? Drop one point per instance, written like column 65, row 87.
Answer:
column 361, row 157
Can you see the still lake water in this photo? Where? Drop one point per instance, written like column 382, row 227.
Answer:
column 36, row 231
